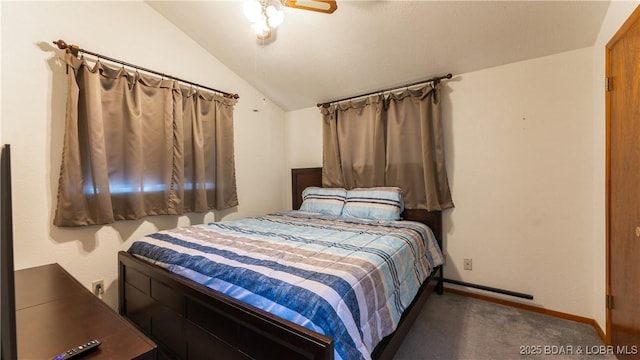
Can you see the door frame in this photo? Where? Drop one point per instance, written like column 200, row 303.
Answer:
column 635, row 16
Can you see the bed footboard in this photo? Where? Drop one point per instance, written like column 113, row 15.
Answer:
column 189, row 321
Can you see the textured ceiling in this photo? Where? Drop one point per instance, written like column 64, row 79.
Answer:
column 370, row 45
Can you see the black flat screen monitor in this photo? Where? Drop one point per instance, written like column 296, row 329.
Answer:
column 7, row 283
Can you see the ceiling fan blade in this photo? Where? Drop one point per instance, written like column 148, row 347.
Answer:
column 323, row 6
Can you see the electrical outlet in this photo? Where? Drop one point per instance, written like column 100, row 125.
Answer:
column 97, row 287
column 467, row 264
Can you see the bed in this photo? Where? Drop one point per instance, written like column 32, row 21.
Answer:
column 190, row 320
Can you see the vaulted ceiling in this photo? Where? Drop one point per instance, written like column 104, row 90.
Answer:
column 370, row 45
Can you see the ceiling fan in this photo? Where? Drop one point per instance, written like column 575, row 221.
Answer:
column 323, row 6
column 265, row 15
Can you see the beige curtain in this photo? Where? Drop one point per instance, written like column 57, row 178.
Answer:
column 136, row 145
column 331, row 168
column 397, row 141
column 354, row 145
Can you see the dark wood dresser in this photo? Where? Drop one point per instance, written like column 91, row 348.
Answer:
column 54, row 313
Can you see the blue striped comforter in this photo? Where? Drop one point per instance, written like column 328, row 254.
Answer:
column 346, row 278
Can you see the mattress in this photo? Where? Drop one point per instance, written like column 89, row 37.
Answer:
column 346, row 278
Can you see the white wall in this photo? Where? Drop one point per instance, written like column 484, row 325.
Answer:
column 519, row 154
column 33, row 106
column 303, row 135
column 616, row 15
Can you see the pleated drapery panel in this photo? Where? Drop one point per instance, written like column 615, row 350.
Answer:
column 136, row 145
column 206, row 152
column 415, row 159
column 331, row 166
column 354, row 135
column 393, row 141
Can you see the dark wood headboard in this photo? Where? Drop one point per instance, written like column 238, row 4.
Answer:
column 302, row 179
column 305, row 177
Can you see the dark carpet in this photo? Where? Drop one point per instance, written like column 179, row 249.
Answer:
column 452, row 326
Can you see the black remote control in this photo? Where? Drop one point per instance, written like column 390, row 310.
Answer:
column 78, row 351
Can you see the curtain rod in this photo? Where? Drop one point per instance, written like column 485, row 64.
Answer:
column 74, row 49
column 435, row 79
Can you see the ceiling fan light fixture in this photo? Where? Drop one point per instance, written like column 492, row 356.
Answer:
column 275, row 17
column 264, row 16
column 252, row 10
column 260, row 27
column 265, row 35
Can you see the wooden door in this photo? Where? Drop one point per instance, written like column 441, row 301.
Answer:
column 623, row 193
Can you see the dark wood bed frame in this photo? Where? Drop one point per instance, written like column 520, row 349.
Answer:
column 191, row 321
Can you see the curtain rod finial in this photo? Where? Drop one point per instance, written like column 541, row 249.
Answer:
column 62, row 45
